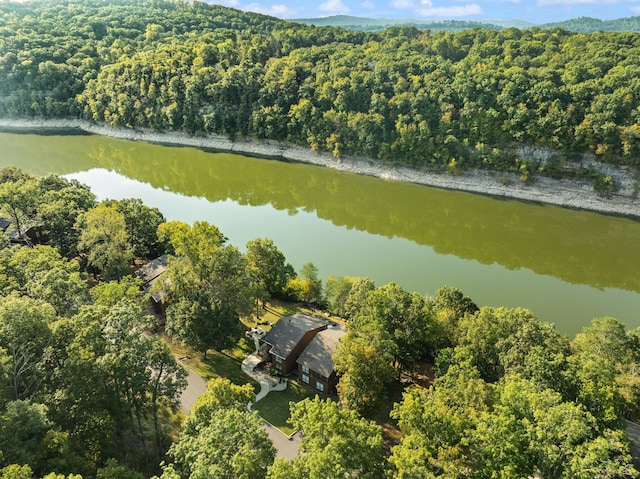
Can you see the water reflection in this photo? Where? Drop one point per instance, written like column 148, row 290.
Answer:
column 576, row 247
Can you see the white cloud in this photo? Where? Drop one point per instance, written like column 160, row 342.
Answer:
column 576, row 2
column 333, row 6
column 403, row 4
column 636, row 10
column 280, row 10
column 368, row 5
column 229, row 3
column 451, row 11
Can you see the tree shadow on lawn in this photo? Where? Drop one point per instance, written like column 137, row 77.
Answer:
column 274, row 407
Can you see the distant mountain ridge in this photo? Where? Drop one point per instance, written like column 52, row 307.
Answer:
column 589, row 25
column 578, row 25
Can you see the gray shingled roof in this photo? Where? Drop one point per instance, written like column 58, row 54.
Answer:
column 150, row 273
column 152, row 270
column 318, row 355
column 288, row 331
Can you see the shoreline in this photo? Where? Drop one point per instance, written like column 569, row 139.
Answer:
column 574, row 194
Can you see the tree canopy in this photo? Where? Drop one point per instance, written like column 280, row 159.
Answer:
column 432, row 99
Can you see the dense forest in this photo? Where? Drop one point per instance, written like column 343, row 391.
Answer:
column 437, row 100
column 89, row 386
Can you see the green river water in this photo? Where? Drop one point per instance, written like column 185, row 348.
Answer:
column 566, row 266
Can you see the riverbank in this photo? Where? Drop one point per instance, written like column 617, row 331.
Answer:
column 577, row 194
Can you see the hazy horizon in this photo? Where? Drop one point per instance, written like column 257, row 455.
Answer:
column 533, row 11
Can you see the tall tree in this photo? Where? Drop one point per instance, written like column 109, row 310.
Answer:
column 337, row 443
column 25, row 333
column 603, row 369
column 209, row 286
column 449, row 307
column 364, row 360
column 307, row 287
column 405, row 316
column 42, row 273
column 268, row 265
column 62, row 201
column 268, row 268
column 232, row 444
column 105, row 241
column 220, row 394
column 18, row 199
column 142, row 224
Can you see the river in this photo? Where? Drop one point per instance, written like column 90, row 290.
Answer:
column 567, row 266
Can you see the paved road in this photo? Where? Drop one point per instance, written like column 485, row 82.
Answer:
column 287, row 447
column 196, row 385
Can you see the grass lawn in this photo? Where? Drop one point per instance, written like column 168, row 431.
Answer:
column 274, row 408
column 226, row 364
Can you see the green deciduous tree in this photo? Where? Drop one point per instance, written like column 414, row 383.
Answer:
column 231, row 444
column 18, row 200
column 23, row 432
column 449, row 305
column 42, row 273
column 405, row 316
column 603, row 369
column 268, row 266
column 464, row 427
column 25, row 333
column 337, row 443
column 307, row 287
column 15, row 471
column 500, row 340
column 142, row 224
column 62, row 201
column 365, row 361
column 104, row 240
column 220, row 394
column 209, row 286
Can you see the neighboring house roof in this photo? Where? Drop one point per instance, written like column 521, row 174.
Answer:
column 318, row 355
column 149, row 273
column 4, row 223
column 152, row 270
column 28, row 232
column 285, row 335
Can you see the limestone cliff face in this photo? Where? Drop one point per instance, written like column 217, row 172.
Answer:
column 569, row 193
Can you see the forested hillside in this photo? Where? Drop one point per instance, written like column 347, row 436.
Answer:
column 577, row 25
column 427, row 99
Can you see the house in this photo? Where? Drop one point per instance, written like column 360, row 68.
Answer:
column 29, row 235
column 286, row 340
column 149, row 275
column 315, row 364
column 4, row 224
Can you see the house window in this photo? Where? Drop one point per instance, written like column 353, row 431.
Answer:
column 305, row 378
column 319, row 386
column 305, row 369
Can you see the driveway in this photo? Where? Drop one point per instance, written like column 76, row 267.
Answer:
column 196, row 385
column 286, row 447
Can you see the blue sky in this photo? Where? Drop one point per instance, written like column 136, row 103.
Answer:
column 535, row 11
